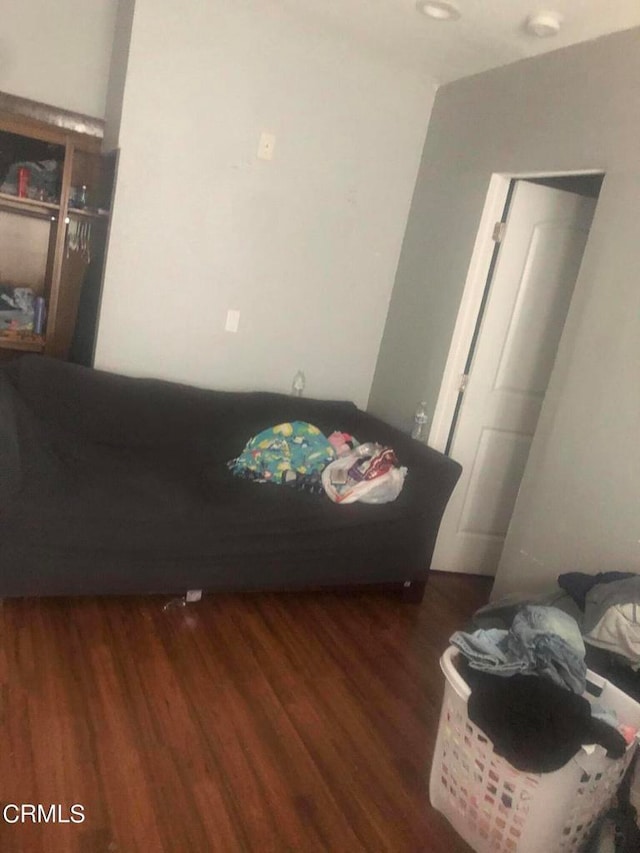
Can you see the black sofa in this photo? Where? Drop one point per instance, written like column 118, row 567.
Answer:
column 112, row 485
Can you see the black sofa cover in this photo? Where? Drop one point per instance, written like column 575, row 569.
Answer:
column 111, row 485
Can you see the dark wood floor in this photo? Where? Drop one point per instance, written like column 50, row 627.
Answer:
column 295, row 722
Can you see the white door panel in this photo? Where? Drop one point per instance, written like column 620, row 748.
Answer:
column 523, row 322
column 496, row 475
column 540, row 310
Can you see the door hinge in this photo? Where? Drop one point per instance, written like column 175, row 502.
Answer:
column 498, row 232
column 464, row 381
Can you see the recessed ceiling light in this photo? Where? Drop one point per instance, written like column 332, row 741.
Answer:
column 543, row 24
column 438, row 10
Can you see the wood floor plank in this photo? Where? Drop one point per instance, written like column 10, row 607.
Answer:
column 262, row 722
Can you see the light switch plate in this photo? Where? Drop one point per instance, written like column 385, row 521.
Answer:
column 233, row 320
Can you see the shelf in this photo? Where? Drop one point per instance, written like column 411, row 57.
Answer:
column 28, row 206
column 41, row 256
column 89, row 214
column 24, row 341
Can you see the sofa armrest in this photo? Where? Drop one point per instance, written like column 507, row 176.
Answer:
column 10, row 468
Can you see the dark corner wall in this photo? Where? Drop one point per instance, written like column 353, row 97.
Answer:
column 573, row 109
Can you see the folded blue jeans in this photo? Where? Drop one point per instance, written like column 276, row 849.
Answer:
column 542, row 641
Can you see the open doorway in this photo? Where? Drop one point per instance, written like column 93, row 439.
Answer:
column 521, row 281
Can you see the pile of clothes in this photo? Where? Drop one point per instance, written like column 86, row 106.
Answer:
column 525, row 662
column 609, row 605
column 606, row 608
column 526, row 691
column 17, row 307
column 298, row 454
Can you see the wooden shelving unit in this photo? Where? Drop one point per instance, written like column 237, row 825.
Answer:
column 28, row 206
column 22, row 341
column 57, row 266
column 89, row 214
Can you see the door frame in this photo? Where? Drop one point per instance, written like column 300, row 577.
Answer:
column 472, row 294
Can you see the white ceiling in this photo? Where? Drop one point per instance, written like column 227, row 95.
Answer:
column 488, row 34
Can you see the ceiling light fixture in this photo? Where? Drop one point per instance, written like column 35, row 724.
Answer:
column 438, row 10
column 543, row 24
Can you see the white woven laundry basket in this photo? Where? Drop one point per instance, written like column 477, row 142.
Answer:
column 499, row 809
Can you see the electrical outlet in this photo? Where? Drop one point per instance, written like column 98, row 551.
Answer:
column 266, row 145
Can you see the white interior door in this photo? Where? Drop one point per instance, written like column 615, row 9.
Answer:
column 529, row 297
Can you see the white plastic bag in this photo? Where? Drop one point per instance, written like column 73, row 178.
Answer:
column 381, row 490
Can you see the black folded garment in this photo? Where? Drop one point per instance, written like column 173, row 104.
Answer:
column 615, row 669
column 535, row 724
column 579, row 584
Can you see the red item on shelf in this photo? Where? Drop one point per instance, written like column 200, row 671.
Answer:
column 23, row 181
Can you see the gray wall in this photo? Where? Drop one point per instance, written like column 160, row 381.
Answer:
column 306, row 245
column 57, row 52
column 578, row 108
